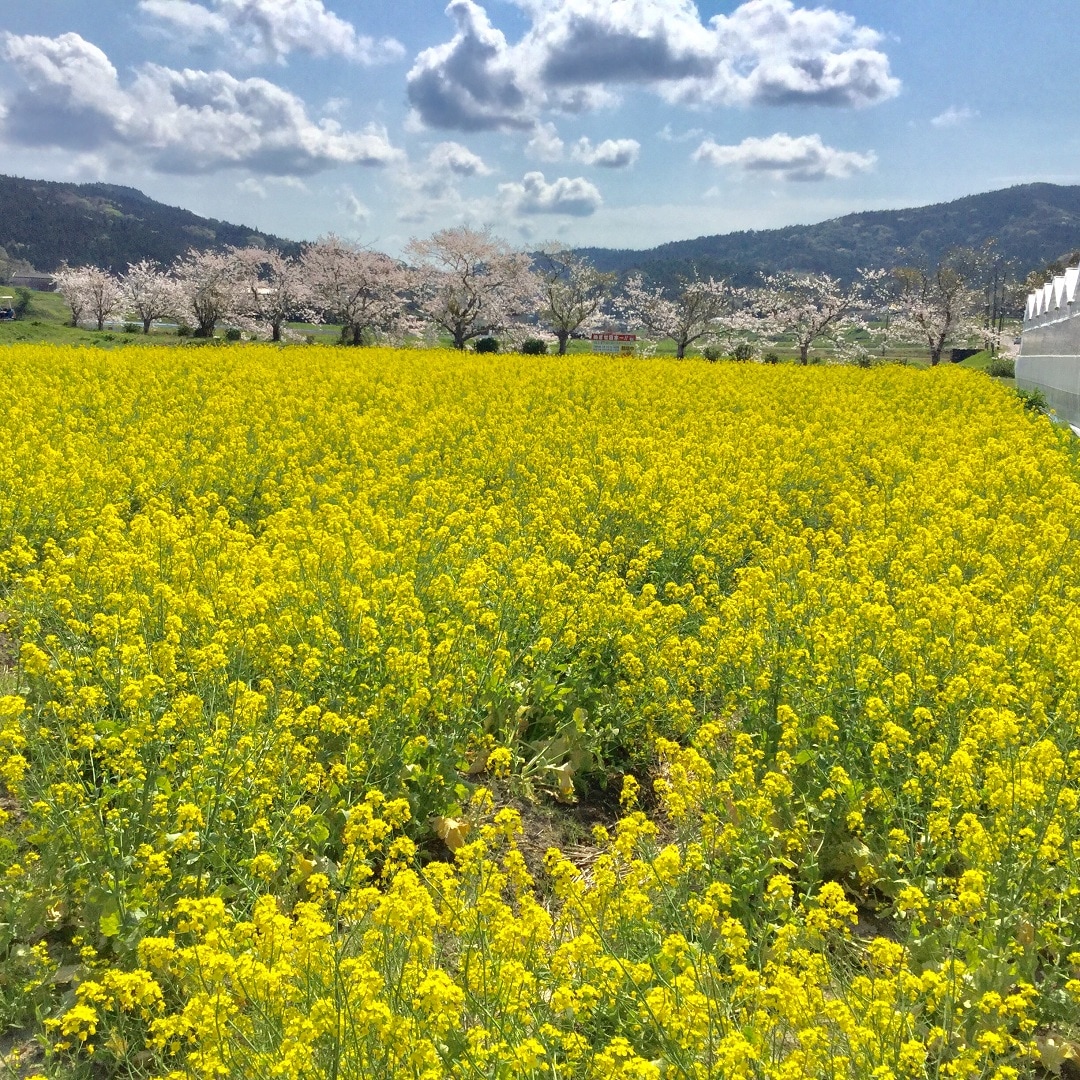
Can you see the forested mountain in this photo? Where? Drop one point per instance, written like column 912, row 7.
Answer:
column 46, row 223
column 1033, row 224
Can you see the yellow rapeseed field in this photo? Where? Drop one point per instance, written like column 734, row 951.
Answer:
column 313, row 656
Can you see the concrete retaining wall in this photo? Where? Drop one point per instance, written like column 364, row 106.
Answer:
column 1049, row 358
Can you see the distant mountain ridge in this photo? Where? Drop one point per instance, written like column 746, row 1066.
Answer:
column 46, row 223
column 1032, row 223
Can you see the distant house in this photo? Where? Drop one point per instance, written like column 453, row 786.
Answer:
column 41, row 282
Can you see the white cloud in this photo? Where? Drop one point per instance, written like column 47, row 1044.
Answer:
column 178, row 121
column 609, row 154
column 271, row 29
column 766, row 52
column 352, row 207
column 668, row 134
column 261, row 187
column 250, row 186
column 787, row 158
column 773, row 53
column 545, row 145
column 470, row 82
column 458, row 159
column 192, row 21
column 954, row 117
column 534, row 195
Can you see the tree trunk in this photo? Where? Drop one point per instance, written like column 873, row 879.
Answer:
column 101, row 322
column 146, row 325
column 936, row 348
column 563, row 337
column 804, row 353
column 680, row 350
column 459, row 340
column 275, row 330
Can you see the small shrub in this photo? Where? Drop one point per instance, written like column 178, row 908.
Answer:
column 533, row 347
column 711, row 353
column 232, row 334
column 1034, row 399
column 131, row 328
column 183, row 330
column 743, row 352
column 1002, row 367
column 486, row 345
column 771, row 358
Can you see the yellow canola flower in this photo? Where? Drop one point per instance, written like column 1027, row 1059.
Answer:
column 276, row 615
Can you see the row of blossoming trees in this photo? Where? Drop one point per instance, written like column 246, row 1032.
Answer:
column 465, row 284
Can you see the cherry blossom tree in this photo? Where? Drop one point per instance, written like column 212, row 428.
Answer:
column 148, row 292
column 69, row 284
column 365, row 290
column 273, row 289
column 209, row 288
column 89, row 291
column 572, row 294
column 815, row 308
column 469, row 284
column 702, row 311
column 941, row 305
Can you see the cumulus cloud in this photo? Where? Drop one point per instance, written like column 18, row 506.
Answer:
column 271, row 29
column 609, row 154
column 458, row 159
column 545, row 144
column 766, row 52
column 954, row 117
column 786, row 157
column 469, row 83
column 534, row 195
column 179, row 121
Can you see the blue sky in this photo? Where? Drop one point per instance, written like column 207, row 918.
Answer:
column 622, row 123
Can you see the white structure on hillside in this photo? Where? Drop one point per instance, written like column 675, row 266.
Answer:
column 1049, row 357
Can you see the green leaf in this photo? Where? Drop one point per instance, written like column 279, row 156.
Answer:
column 109, row 924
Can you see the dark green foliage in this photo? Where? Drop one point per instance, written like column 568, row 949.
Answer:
column 771, row 358
column 532, row 347
column 1032, row 223
column 131, row 328
column 1003, row 367
column 486, row 345
column 232, row 334
column 742, row 352
column 106, row 225
column 1034, row 400
column 711, row 353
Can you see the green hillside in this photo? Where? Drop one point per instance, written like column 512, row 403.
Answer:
column 46, row 223
column 1032, row 223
